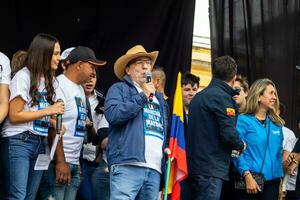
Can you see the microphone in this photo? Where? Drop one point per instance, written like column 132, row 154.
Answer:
column 59, row 120
column 148, row 75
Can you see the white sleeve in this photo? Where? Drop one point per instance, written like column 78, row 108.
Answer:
column 288, row 135
column 59, row 94
column 103, row 122
column 289, row 146
column 4, row 69
column 20, row 86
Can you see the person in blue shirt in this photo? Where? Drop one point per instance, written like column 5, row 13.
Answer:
column 261, row 128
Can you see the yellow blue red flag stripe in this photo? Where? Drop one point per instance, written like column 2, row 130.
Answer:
column 177, row 144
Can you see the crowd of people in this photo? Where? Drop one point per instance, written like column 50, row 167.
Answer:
column 63, row 139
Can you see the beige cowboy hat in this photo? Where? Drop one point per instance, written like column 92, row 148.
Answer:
column 134, row 52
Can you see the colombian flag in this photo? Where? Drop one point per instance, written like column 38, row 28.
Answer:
column 178, row 170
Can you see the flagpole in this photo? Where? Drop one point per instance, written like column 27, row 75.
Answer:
column 167, row 179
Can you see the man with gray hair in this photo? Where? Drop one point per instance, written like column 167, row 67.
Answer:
column 137, row 128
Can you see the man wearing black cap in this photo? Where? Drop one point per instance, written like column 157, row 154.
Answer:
column 63, row 173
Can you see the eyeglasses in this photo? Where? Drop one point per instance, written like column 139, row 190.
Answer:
column 237, row 90
column 142, row 62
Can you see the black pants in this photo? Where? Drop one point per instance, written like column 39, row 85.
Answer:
column 270, row 192
column 290, row 195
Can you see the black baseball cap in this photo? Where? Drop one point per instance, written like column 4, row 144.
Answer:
column 84, row 54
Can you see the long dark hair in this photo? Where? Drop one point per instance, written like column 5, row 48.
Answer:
column 38, row 62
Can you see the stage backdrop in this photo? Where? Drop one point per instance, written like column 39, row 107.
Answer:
column 263, row 36
column 109, row 27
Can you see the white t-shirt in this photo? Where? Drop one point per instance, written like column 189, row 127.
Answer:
column 20, row 86
column 74, row 118
column 99, row 121
column 4, row 69
column 289, row 141
column 154, row 134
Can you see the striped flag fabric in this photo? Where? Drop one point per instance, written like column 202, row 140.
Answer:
column 178, row 170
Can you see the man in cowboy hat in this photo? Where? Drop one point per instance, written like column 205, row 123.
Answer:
column 137, row 128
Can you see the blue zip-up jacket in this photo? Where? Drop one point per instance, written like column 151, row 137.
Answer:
column 123, row 109
column 211, row 134
column 255, row 135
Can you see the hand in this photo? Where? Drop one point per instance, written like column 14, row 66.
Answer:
column 237, row 153
column 242, row 150
column 291, row 170
column 63, row 173
column 88, row 123
column 148, row 88
column 291, row 157
column 56, row 108
column 251, row 185
column 167, row 151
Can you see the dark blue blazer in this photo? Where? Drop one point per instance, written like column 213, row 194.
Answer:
column 211, row 131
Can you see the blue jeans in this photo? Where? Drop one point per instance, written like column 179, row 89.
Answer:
column 133, row 182
column 100, row 182
column 64, row 192
column 19, row 154
column 95, row 183
column 205, row 187
column 85, row 189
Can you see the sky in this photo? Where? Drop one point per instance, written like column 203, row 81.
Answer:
column 201, row 21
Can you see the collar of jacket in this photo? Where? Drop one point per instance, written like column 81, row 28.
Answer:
column 224, row 86
column 128, row 80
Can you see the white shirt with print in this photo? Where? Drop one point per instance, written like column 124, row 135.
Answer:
column 19, row 87
column 154, row 138
column 99, row 121
column 74, row 118
column 4, row 69
column 289, row 141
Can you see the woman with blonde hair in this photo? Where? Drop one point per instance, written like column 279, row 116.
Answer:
column 260, row 166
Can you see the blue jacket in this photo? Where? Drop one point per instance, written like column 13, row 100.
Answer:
column 211, row 134
column 123, row 109
column 255, row 135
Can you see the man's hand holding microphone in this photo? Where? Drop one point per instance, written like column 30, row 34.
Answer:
column 148, row 87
